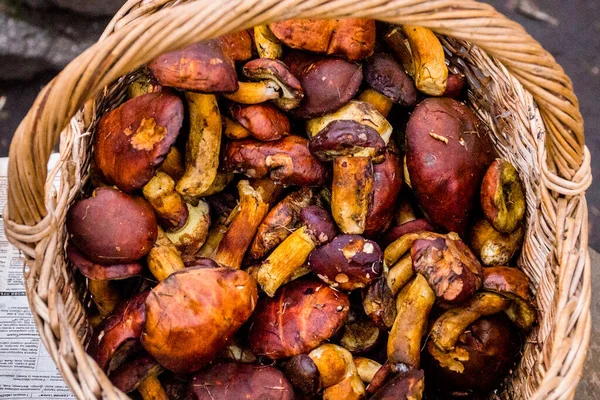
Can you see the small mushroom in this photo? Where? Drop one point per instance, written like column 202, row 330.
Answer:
column 168, row 204
column 502, row 198
column 431, row 72
column 118, row 334
column 289, row 88
column 132, row 140
column 395, row 250
column 494, row 247
column 348, row 262
column 386, row 76
column 302, row 315
column 482, row 357
column 190, row 238
column 379, row 303
column 414, row 226
column 366, row 368
column 280, row 222
column 303, row 375
column 456, row 86
column 286, row 161
column 449, row 266
column 112, row 227
column 267, row 45
column 447, row 329
column 513, row 284
column 406, row 385
column 361, row 336
column 196, row 302
column 353, row 147
column 264, row 121
column 387, row 184
column 254, row 204
column 140, row 373
column 200, row 67
column 232, row 380
column 413, row 304
column 339, row 377
column 202, row 147
column 328, row 83
column 316, row 229
column 398, row 44
column 254, row 92
column 237, row 45
column 164, row 258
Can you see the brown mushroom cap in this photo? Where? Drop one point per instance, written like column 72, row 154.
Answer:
column 318, row 224
column 100, row 272
column 379, row 303
column 237, row 45
column 206, row 303
column 132, row 140
column 232, row 380
column 448, row 152
column 313, row 313
column 264, row 121
column 485, row 352
column 407, row 385
column 118, row 335
column 414, row 226
column 112, row 227
column 328, row 83
column 132, row 372
column 291, row 92
column 345, row 137
column 303, row 375
column 286, row 161
column 387, row 76
column 200, row 67
column 450, row 268
column 348, row 262
column 305, row 34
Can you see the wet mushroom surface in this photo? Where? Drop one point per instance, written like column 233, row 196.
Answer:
column 307, row 209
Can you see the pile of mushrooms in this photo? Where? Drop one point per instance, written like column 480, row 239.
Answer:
column 302, row 211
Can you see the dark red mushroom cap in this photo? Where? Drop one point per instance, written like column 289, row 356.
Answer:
column 100, row 272
column 345, row 137
column 387, row 76
column 318, row 224
column 291, row 92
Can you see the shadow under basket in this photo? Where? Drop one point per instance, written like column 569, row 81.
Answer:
column 516, row 87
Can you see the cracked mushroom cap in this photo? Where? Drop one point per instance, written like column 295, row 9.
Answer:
column 344, row 138
column 133, row 140
column 302, row 315
column 384, row 74
column 291, row 92
column 112, row 227
column 348, row 262
column 200, row 67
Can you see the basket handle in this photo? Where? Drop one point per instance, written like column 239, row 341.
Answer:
column 145, row 36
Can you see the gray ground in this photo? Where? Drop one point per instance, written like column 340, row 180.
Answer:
column 574, row 42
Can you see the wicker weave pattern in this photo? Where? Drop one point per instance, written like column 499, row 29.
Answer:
column 507, row 70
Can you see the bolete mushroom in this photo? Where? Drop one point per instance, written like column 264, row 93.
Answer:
column 405, row 385
column 280, row 222
column 316, row 229
column 444, row 139
column 494, row 247
column 196, row 302
column 200, row 67
column 112, row 227
column 303, row 375
column 353, row 147
column 237, row 45
column 313, row 313
column 168, row 204
column 360, row 336
column 328, row 83
column 118, row 334
column 286, row 161
column 348, row 262
column 379, row 303
column 232, row 380
column 502, row 198
column 255, row 201
column 140, row 373
column 132, row 140
column 267, row 45
column 339, row 377
column 190, row 238
column 264, row 122
column 513, row 284
column 164, row 258
column 387, row 77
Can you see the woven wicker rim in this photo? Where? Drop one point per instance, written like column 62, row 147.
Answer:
column 508, row 70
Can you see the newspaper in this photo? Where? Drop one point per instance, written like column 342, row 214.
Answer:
column 26, row 369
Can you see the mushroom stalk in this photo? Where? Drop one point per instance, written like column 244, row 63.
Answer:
column 166, row 201
column 267, row 45
column 151, row 389
column 366, row 368
column 400, row 274
column 351, row 192
column 164, row 258
column 382, row 103
column 255, row 92
column 104, row 295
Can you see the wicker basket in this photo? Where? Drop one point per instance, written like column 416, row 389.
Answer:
column 516, row 87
